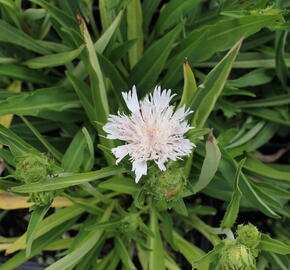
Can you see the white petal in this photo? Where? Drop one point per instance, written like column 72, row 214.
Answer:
column 160, row 164
column 131, row 100
column 120, row 152
column 140, row 168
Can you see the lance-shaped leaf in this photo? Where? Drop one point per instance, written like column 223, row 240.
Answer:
column 189, row 251
column 205, row 99
column 134, row 22
column 85, row 246
column 233, row 207
column 153, row 61
column 53, row 60
column 56, row 99
column 67, row 181
column 17, row 146
column 124, row 255
column 189, row 86
column 209, row 257
column 13, row 35
column 269, row 244
column 210, row 163
column 34, row 223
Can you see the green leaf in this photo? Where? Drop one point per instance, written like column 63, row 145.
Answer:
column 228, row 168
column 13, row 35
column 16, row 144
column 105, row 38
column 153, row 62
column 123, row 253
column 39, row 244
column 25, row 74
column 59, row 15
column 189, row 86
column 74, row 154
column 53, row 60
column 56, row 99
column 253, row 78
column 49, row 223
column 205, row 99
column 156, row 256
column 134, row 30
column 276, row 100
column 173, row 12
column 247, row 136
column 120, row 184
column 180, row 207
column 201, row 43
column 48, row 146
column 33, row 226
column 232, row 211
column 148, row 9
column 210, row 163
column 260, row 168
column 281, row 67
column 99, row 96
column 269, row 244
column 209, row 257
column 91, row 240
column 67, row 181
column 189, row 251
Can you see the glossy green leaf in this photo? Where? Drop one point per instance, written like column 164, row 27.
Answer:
column 201, row 43
column 124, row 255
column 276, row 100
column 33, row 226
column 69, row 180
column 232, row 210
column 153, row 62
column 119, row 184
column 25, row 74
column 206, row 97
column 48, row 224
column 210, row 163
column 189, row 251
column 189, row 86
column 259, row 167
column 56, row 99
column 269, row 244
column 91, row 239
column 13, row 35
column 135, row 31
column 53, row 60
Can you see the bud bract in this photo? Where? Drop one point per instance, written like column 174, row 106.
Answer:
column 166, row 185
column 32, row 168
column 236, row 256
column 248, row 235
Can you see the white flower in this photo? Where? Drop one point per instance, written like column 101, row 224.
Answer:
column 153, row 131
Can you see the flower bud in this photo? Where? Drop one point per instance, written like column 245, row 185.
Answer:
column 129, row 223
column 248, row 235
column 236, row 256
column 31, row 168
column 41, row 198
column 166, row 185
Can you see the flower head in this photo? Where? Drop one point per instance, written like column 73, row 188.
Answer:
column 153, row 131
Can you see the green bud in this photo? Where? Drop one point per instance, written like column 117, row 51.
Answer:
column 41, row 198
column 236, row 256
column 248, row 235
column 166, row 185
column 32, row 168
column 129, row 223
